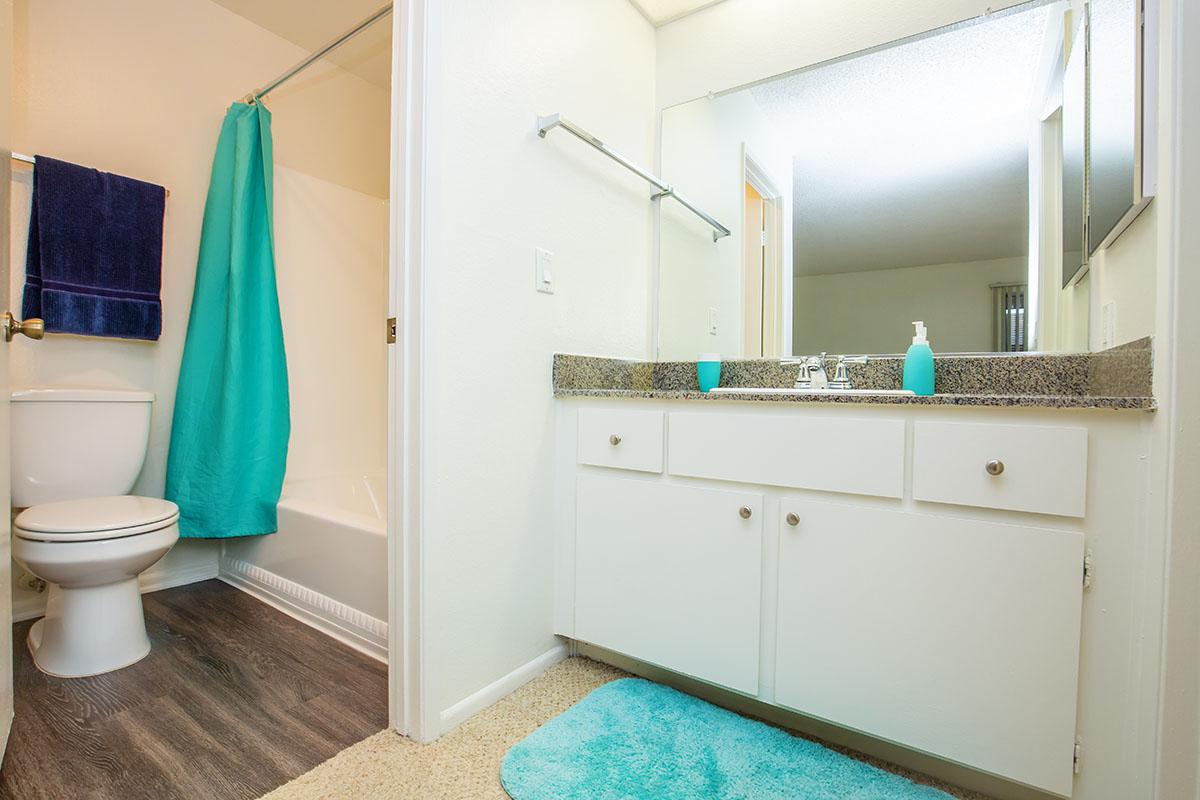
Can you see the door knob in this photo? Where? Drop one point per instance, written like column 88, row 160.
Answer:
column 792, row 519
column 994, row 467
column 33, row 328
column 614, row 440
column 745, row 512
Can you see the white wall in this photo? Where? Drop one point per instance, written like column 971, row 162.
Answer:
column 494, row 192
column 873, row 311
column 1121, row 274
column 702, row 145
column 331, row 272
column 139, row 87
column 739, row 41
column 1177, row 385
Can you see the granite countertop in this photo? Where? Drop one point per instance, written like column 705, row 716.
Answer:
column 1011, row 400
column 1119, row 378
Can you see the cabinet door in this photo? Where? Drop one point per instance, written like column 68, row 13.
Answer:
column 952, row 636
column 671, row 575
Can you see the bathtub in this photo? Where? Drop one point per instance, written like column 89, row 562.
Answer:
column 327, row 564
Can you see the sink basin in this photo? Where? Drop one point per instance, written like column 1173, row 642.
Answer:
column 736, row 390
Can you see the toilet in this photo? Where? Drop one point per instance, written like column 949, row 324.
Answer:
column 75, row 455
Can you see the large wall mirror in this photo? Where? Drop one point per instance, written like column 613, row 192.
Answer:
column 1120, row 157
column 940, row 178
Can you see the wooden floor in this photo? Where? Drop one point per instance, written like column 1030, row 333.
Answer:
column 234, row 699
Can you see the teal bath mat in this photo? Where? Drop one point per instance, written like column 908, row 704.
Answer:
column 636, row 740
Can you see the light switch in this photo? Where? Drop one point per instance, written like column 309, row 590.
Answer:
column 543, row 272
column 1108, row 325
column 712, row 321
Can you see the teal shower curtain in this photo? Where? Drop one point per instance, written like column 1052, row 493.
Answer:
column 230, row 433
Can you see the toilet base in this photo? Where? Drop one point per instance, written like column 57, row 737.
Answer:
column 90, row 630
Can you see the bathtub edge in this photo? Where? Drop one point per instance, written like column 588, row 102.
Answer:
column 351, row 627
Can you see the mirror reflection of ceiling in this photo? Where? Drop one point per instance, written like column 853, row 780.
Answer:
column 914, row 154
column 313, row 23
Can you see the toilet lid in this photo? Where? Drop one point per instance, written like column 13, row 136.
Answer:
column 95, row 518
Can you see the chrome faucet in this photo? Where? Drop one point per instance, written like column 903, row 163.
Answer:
column 813, row 376
column 812, row 373
column 841, row 376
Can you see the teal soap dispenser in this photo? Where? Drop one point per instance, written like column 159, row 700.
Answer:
column 918, row 363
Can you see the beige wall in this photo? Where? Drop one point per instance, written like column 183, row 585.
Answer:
column 139, row 87
column 873, row 311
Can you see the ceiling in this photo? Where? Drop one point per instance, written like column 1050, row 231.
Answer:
column 915, row 154
column 312, row 23
column 660, row 12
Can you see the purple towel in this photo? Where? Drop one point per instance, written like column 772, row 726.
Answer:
column 94, row 265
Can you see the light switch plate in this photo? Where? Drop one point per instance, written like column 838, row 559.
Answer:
column 712, row 322
column 543, row 276
column 1108, row 325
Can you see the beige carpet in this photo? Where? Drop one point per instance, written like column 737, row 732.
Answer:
column 465, row 764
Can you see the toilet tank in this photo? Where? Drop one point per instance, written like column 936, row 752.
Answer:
column 73, row 443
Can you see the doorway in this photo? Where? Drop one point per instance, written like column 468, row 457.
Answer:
column 762, row 265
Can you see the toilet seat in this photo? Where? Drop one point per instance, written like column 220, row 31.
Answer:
column 95, row 519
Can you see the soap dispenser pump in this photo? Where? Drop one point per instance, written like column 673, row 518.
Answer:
column 918, row 363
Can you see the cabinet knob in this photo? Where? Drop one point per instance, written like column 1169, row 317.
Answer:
column 745, row 512
column 994, row 467
column 614, row 440
column 792, row 518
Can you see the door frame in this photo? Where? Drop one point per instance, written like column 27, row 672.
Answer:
column 773, row 206
column 6, row 642
column 406, row 654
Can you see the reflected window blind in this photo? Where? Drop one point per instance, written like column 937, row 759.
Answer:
column 1009, row 317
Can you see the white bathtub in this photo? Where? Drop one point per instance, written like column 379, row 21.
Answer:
column 327, row 564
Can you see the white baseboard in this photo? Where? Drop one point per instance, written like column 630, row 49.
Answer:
column 31, row 605
column 348, row 625
column 497, row 690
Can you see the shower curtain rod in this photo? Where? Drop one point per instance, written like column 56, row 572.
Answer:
column 316, row 56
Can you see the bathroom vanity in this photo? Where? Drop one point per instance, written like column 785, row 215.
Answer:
column 917, row 572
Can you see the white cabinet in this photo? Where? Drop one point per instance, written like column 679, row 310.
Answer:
column 621, row 438
column 948, row 629
column 856, row 456
column 953, row 636
column 1017, row 467
column 671, row 575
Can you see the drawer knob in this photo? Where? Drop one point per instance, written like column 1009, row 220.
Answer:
column 792, row 518
column 745, row 512
column 994, row 467
column 614, row 440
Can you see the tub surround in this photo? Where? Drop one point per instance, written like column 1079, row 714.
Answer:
column 1119, row 378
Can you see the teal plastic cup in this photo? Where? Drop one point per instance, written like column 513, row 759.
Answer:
column 708, row 371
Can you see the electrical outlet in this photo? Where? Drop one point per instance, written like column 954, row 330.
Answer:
column 1108, row 325
column 712, row 322
column 543, row 275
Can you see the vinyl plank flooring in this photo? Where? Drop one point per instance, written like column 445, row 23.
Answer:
column 234, row 699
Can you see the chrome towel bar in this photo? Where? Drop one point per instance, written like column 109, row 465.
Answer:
column 552, row 121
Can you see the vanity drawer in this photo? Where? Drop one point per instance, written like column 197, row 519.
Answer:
column 856, row 456
column 1016, row 467
column 621, row 438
